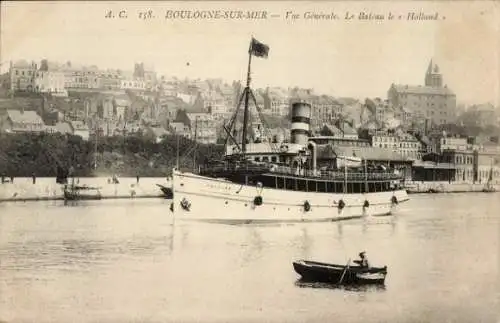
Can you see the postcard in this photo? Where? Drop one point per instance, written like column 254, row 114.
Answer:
column 249, row 161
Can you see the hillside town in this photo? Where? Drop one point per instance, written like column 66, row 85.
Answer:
column 419, row 127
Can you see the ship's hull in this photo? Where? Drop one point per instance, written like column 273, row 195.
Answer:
column 77, row 196
column 217, row 200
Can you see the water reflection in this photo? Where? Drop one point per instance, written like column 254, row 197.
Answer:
column 169, row 238
column 71, row 203
column 351, row 288
column 56, row 255
column 385, row 221
column 102, row 255
column 340, row 230
column 252, row 246
column 306, row 243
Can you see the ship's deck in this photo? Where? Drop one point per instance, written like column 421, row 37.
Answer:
column 255, row 169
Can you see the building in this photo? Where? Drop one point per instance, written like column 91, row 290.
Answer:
column 63, row 128
column 169, row 88
column 379, row 110
column 433, row 101
column 331, row 131
column 404, row 144
column 482, row 115
column 459, row 159
column 133, row 84
column 19, row 121
column 122, row 107
column 109, row 79
column 52, row 82
column 60, row 127
column 277, row 102
column 409, row 146
column 383, row 139
column 143, row 76
column 488, row 162
column 179, row 128
column 79, row 128
column 339, row 135
column 325, row 109
column 187, row 97
column 406, row 117
column 81, row 77
column 202, row 126
column 169, row 107
column 214, row 103
column 105, row 108
column 348, row 131
column 22, row 75
column 229, row 95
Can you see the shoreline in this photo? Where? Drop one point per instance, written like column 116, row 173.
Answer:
column 46, row 189
column 446, row 187
column 61, row 198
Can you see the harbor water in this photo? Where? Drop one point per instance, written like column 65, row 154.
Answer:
column 129, row 261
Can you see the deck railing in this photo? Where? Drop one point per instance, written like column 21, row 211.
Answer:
column 288, row 171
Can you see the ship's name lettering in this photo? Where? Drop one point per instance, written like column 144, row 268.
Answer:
column 219, row 186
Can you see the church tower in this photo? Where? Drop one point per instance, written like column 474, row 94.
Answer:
column 432, row 77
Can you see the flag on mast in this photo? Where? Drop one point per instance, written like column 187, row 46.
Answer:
column 258, row 49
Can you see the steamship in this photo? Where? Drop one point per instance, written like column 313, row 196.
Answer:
column 283, row 182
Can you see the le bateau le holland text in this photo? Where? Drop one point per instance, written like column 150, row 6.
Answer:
column 149, row 14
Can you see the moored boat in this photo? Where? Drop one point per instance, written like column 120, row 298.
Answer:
column 261, row 180
column 78, row 193
column 313, row 271
column 166, row 191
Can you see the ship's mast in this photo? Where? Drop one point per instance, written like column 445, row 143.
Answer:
column 260, row 50
column 246, row 93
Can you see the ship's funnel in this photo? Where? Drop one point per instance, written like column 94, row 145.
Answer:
column 301, row 121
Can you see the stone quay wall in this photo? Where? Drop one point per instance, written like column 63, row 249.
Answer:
column 23, row 188
column 446, row 187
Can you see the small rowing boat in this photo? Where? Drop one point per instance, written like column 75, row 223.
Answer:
column 314, row 271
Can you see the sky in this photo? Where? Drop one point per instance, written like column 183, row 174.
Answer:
column 357, row 58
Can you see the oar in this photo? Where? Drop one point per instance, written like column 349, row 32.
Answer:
column 345, row 270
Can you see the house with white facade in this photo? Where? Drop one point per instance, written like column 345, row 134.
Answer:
column 20, row 121
column 52, row 82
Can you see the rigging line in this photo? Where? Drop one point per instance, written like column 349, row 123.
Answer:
column 267, row 133
column 274, row 146
column 234, row 117
column 228, row 132
column 238, row 107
